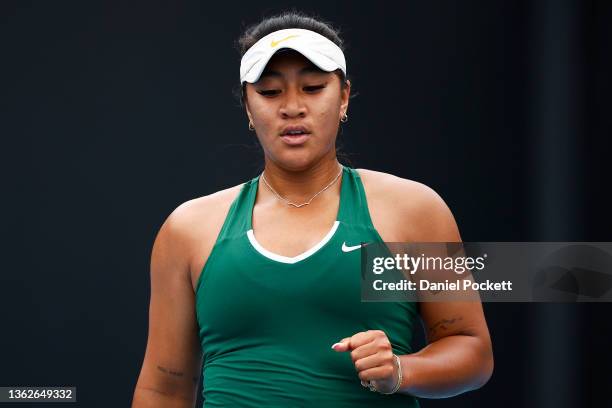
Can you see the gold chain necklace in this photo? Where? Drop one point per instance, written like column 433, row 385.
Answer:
column 307, row 202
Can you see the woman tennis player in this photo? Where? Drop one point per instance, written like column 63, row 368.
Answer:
column 262, row 280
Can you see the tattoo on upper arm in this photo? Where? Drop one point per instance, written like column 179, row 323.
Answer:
column 169, row 371
column 177, row 374
column 442, row 325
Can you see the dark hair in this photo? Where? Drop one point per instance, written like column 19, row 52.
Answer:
column 290, row 19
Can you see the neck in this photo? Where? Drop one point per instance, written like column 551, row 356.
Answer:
column 300, row 185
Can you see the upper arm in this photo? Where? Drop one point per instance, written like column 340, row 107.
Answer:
column 432, row 221
column 173, row 356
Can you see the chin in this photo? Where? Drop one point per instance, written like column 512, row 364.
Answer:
column 296, row 160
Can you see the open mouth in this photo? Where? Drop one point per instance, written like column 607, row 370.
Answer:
column 294, row 130
column 295, row 137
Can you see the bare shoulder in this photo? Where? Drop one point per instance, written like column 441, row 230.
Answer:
column 195, row 215
column 193, row 227
column 422, row 213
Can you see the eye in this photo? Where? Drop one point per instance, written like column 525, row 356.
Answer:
column 267, row 92
column 313, row 88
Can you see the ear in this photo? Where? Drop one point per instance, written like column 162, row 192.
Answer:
column 248, row 111
column 245, row 102
column 344, row 98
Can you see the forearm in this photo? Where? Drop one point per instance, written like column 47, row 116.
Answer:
column 151, row 398
column 447, row 367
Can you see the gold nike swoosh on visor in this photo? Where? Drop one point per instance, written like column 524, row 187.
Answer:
column 275, row 43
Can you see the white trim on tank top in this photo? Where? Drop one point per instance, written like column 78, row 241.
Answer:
column 291, row 259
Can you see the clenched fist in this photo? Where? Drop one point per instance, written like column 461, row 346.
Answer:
column 373, row 358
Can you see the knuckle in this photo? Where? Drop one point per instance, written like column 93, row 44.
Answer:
column 386, row 356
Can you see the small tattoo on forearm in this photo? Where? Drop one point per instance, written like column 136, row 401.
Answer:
column 170, row 372
column 443, row 324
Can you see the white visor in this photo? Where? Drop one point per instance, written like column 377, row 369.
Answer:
column 318, row 49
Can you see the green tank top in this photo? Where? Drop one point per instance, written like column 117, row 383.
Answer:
column 267, row 322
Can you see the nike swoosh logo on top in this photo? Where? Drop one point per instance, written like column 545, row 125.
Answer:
column 275, row 43
column 346, row 248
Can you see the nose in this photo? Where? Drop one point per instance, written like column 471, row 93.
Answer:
column 293, row 105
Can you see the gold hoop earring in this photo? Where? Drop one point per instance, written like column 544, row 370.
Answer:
column 344, row 119
column 251, row 127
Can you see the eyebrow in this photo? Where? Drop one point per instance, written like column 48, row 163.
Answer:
column 306, row 70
